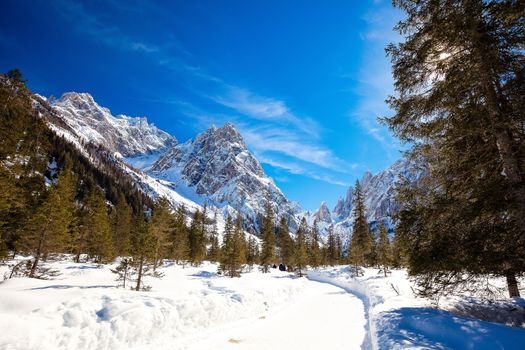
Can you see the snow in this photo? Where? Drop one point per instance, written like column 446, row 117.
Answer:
column 195, row 308
column 400, row 320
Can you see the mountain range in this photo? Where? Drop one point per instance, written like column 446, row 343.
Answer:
column 216, row 168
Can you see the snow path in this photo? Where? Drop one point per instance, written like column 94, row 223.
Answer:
column 359, row 291
column 323, row 317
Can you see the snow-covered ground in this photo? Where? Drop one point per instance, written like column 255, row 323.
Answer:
column 397, row 319
column 194, row 308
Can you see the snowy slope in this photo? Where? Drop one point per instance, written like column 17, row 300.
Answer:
column 218, row 166
column 120, row 134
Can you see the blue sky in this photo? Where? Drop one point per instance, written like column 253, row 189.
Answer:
column 302, row 80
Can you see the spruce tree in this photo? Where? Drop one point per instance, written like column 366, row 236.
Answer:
column 196, row 239
column 233, row 248
column 49, row 227
column 180, row 239
column 143, row 251
column 360, row 251
column 214, row 250
column 98, row 227
column 285, row 243
column 252, row 251
column 268, row 237
column 121, row 220
column 300, row 251
column 332, row 253
column 460, row 96
column 384, row 251
column 161, row 227
column 314, row 252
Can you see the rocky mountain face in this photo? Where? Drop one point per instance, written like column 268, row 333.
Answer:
column 215, row 168
column 218, row 166
column 379, row 193
column 122, row 135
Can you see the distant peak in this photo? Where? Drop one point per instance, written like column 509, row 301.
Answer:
column 68, row 96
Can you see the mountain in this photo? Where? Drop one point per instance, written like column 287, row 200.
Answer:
column 125, row 136
column 379, row 192
column 217, row 166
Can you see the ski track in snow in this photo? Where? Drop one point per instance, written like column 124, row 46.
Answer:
column 323, row 317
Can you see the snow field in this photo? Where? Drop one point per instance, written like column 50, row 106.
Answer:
column 82, row 309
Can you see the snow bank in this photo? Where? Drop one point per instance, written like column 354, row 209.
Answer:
column 82, row 309
column 397, row 319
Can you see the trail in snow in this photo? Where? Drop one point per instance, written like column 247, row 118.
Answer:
column 323, row 317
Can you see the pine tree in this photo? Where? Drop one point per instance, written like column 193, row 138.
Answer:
column 143, row 251
column 384, row 251
column 196, row 239
column 332, row 253
column 48, row 229
column 268, row 237
column 214, row 250
column 122, row 218
column 252, row 251
column 181, row 244
column 161, row 227
column 285, row 243
column 460, row 96
column 398, row 252
column 300, row 251
column 360, row 252
column 98, row 227
column 314, row 251
column 233, row 248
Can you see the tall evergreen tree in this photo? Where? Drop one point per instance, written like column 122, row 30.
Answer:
column 460, row 96
column 252, row 251
column 314, row 251
column 332, row 252
column 181, row 244
column 285, row 243
column 215, row 248
column 49, row 228
column 384, row 251
column 268, row 237
column 121, row 221
column 233, row 248
column 360, row 252
column 300, row 251
column 196, row 239
column 161, row 227
column 98, row 227
column 142, row 250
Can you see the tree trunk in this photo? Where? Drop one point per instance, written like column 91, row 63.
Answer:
column 512, row 285
column 139, row 278
column 37, row 254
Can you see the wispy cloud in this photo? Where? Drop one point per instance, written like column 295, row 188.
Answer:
column 375, row 82
column 278, row 135
column 264, row 108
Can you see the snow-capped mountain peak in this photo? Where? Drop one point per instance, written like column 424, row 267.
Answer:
column 127, row 136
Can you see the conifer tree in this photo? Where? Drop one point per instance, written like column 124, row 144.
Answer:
column 285, row 243
column 398, row 252
column 314, row 251
column 196, row 239
column 215, row 249
column 384, row 251
column 48, row 229
column 181, row 244
column 360, row 252
column 122, row 219
column 161, row 226
column 98, row 227
column 268, row 237
column 233, row 248
column 459, row 99
column 332, row 253
column 252, row 251
column 143, row 252
column 300, row 251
